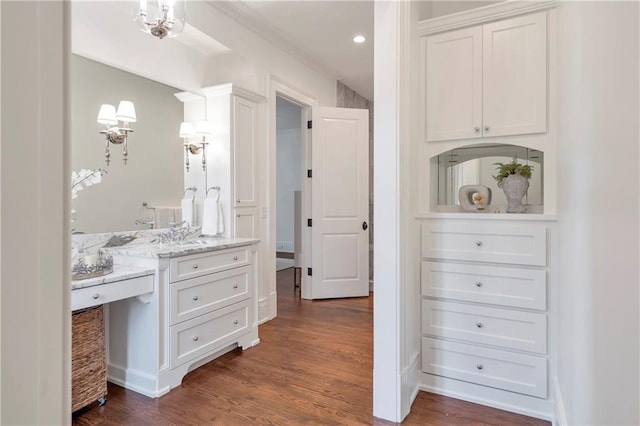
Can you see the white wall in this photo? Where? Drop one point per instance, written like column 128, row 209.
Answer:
column 289, row 170
column 598, row 340
column 35, row 276
column 154, row 171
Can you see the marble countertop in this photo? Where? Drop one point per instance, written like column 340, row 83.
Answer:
column 120, row 272
column 185, row 248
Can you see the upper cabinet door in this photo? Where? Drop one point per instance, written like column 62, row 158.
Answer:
column 515, row 76
column 244, row 145
column 454, row 85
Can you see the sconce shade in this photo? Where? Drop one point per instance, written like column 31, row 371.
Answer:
column 126, row 112
column 186, row 130
column 107, row 115
column 204, row 128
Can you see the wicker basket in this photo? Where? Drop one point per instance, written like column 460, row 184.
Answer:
column 88, row 364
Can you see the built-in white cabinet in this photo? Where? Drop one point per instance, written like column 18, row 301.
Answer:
column 244, row 117
column 488, row 80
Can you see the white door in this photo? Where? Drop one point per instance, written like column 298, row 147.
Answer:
column 340, row 203
column 453, row 83
column 515, row 76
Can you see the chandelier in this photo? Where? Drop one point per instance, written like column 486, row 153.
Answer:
column 161, row 18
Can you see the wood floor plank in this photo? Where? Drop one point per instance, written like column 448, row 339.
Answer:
column 313, row 366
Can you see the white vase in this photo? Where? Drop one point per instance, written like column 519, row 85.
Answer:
column 514, row 187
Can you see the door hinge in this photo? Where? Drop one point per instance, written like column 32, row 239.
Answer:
column 309, row 272
column 309, row 124
column 309, row 222
column 309, row 173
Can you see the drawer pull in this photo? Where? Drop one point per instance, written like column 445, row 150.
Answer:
column 195, row 266
column 235, row 286
column 195, row 338
column 235, row 257
column 479, row 366
column 478, row 284
column 479, row 325
column 95, row 296
column 235, row 322
column 195, row 297
column 479, row 243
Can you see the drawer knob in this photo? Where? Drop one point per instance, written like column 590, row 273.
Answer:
column 479, row 325
column 235, row 322
column 479, row 366
column 486, row 128
column 237, row 201
column 237, row 215
column 195, row 297
column 95, row 296
column 195, row 266
column 476, row 129
column 235, row 257
column 479, row 243
column 235, row 286
column 478, row 284
column 195, row 338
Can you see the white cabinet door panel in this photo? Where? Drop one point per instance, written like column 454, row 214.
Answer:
column 454, row 85
column 245, row 125
column 245, row 222
column 515, row 76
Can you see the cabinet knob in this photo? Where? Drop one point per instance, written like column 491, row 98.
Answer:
column 486, row 128
column 479, row 243
column 235, row 257
column 478, row 284
column 477, row 129
column 235, row 286
column 195, row 338
column 479, row 325
column 237, row 215
column 195, row 297
column 195, row 266
column 235, row 322
column 95, row 296
column 237, row 201
column 479, row 366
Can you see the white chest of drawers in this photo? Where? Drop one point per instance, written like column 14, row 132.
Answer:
column 205, row 304
column 485, row 321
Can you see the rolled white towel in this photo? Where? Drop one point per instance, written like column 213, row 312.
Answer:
column 188, row 211
column 210, row 217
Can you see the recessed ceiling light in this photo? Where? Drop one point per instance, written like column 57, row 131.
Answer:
column 359, row 39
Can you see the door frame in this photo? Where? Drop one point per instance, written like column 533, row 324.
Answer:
column 280, row 88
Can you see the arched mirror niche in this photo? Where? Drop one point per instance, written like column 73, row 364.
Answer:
column 477, row 165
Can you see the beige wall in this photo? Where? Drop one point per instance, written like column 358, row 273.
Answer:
column 154, row 170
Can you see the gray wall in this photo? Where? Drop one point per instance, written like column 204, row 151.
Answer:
column 154, row 170
column 348, row 98
column 289, row 170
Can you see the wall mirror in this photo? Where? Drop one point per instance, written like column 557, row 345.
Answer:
column 154, row 170
column 475, row 165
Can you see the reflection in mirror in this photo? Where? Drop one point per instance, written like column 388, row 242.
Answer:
column 154, row 170
column 475, row 165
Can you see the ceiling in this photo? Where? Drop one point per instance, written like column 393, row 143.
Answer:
column 319, row 33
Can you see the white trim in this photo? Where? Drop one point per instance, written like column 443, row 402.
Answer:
column 481, row 15
column 560, row 415
column 188, row 96
column 232, row 89
column 411, row 380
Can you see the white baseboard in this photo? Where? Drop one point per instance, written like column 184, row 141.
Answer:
column 370, row 286
column 136, row 381
column 560, row 416
column 263, row 310
column 410, row 377
column 286, row 246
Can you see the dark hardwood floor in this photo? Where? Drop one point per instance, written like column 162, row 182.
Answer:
column 313, row 366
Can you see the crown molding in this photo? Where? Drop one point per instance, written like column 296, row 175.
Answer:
column 232, row 89
column 482, row 15
column 254, row 22
column 188, row 96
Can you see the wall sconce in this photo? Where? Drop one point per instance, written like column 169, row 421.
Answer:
column 203, row 129
column 161, row 18
column 114, row 134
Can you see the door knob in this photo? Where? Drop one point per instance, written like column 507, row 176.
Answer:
column 364, row 225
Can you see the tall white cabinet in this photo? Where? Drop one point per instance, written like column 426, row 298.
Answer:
column 486, row 80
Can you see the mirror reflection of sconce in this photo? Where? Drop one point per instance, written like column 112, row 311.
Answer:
column 202, row 130
column 113, row 133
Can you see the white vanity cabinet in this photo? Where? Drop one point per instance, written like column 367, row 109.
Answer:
column 204, row 305
column 485, row 311
column 488, row 80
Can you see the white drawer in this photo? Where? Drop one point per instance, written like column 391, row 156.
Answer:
column 510, row 371
column 519, row 243
column 110, row 292
column 506, row 328
column 182, row 268
column 197, row 296
column 520, row 288
column 194, row 338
